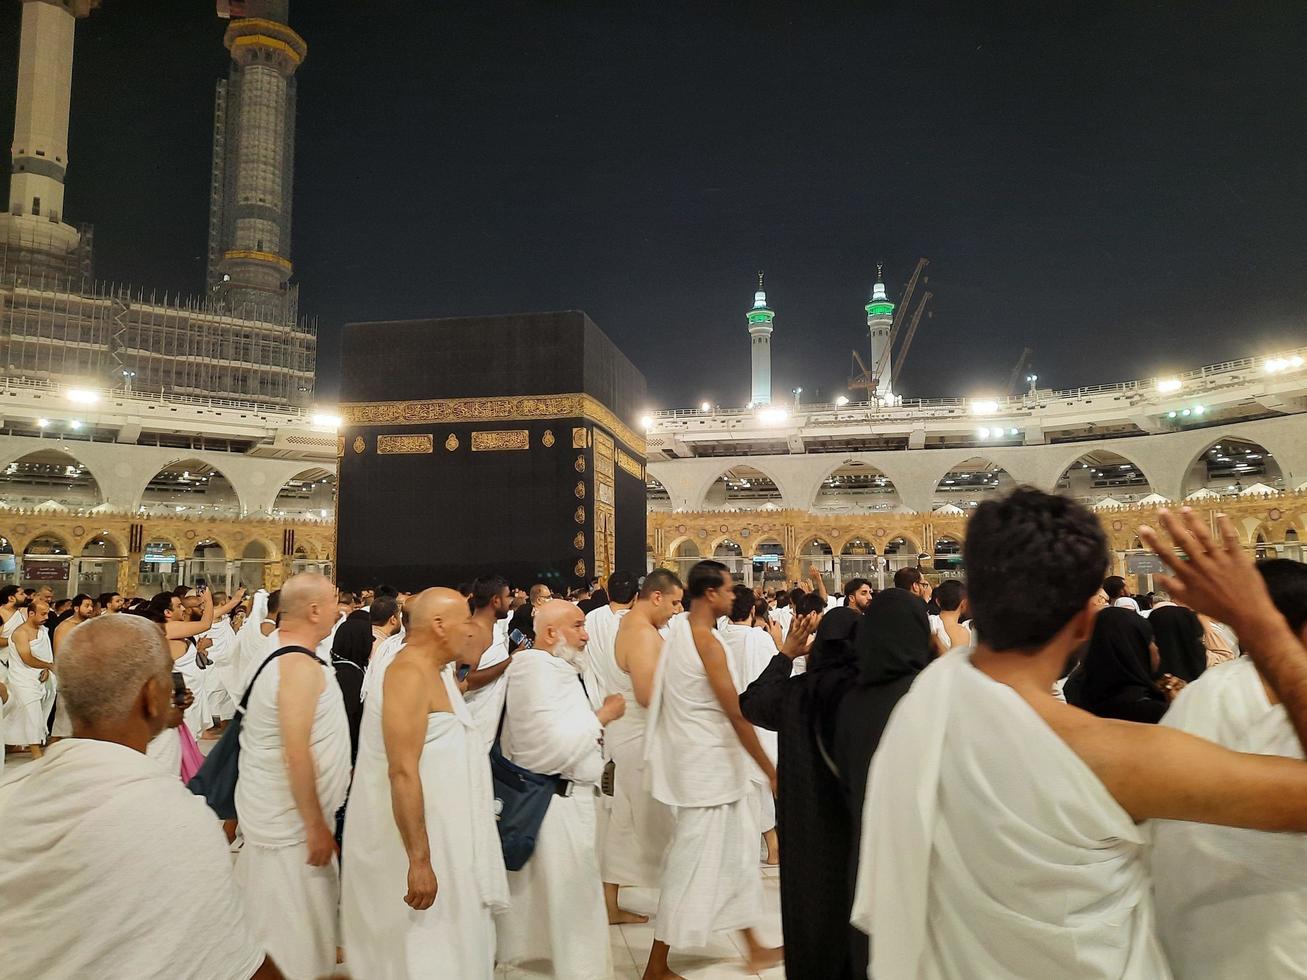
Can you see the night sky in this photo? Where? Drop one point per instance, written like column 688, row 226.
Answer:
column 1118, row 185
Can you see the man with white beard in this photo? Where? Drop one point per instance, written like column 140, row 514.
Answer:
column 640, row 828
column 710, row 878
column 294, row 771
column 421, row 814
column 601, row 674
column 557, row 906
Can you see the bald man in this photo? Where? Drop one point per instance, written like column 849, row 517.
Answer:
column 426, row 870
column 549, row 727
column 295, row 760
column 99, row 835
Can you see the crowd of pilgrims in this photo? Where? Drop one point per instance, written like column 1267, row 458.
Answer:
column 1033, row 774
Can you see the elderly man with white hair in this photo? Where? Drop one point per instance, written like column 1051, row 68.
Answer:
column 294, row 771
column 556, row 901
column 100, row 838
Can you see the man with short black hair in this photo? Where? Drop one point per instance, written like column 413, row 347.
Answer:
column 83, row 610
column 697, row 752
column 111, row 602
column 601, row 675
column 910, row 579
column 484, row 687
column 640, row 827
column 947, row 629
column 1063, row 790
column 31, row 688
column 1118, row 594
column 13, row 602
column 857, row 594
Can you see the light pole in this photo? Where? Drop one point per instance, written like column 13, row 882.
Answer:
column 797, row 393
column 127, row 381
column 1032, row 380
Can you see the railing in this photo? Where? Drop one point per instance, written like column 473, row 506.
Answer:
column 35, row 385
column 1212, row 376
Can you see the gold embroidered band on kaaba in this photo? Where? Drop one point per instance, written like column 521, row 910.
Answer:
column 508, row 408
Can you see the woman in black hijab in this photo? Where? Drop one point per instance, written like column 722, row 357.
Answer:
column 350, row 651
column 1180, row 647
column 1115, row 680
column 893, row 647
column 811, row 818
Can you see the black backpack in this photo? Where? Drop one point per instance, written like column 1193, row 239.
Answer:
column 216, row 780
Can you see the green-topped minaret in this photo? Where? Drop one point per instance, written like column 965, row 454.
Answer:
column 760, row 317
column 880, row 317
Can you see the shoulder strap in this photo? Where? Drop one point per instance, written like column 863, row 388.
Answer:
column 245, row 699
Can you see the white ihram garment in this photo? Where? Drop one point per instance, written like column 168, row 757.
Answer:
column 29, row 696
column 166, row 749
column 710, row 878
column 224, row 671
column 639, row 827
column 487, row 703
column 601, row 674
column 291, row 905
column 1231, row 902
column 110, row 868
column 989, row 848
column 198, row 716
column 749, row 650
column 556, row 901
column 384, row 939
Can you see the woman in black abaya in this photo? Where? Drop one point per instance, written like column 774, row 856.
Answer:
column 893, row 647
column 811, row 818
column 1115, row 680
column 1179, row 636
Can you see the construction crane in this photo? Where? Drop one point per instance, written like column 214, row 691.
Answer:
column 1023, row 362
column 867, row 380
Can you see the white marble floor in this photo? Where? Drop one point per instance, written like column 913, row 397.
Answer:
column 722, row 960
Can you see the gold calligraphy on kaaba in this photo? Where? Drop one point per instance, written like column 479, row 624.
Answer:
column 579, row 465
column 578, row 542
column 547, row 440
column 579, row 440
column 405, row 445
column 359, row 444
column 605, row 517
column 340, row 446
column 579, row 489
column 451, row 443
column 630, row 464
column 500, row 440
column 515, row 408
column 579, row 516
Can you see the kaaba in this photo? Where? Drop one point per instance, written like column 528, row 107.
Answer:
column 472, row 445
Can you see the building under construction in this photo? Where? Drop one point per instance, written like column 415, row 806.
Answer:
column 243, row 338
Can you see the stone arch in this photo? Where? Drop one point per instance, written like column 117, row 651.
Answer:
column 59, row 536
column 910, row 546
column 854, row 484
column 656, row 495
column 270, row 551
column 49, row 472
column 675, row 549
column 857, row 540
column 1102, row 471
column 971, row 479
column 119, row 549
column 769, row 540
column 1257, row 465
column 193, row 477
column 309, row 494
column 746, row 486
column 726, row 546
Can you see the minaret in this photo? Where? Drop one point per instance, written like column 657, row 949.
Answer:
column 880, row 317
column 253, row 163
column 34, row 224
column 760, row 318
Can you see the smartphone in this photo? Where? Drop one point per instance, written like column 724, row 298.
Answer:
column 201, row 587
column 178, row 690
column 518, row 640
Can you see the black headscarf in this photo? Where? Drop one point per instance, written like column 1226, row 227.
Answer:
column 834, row 666
column 352, row 642
column 1115, row 679
column 1179, row 635
column 893, row 646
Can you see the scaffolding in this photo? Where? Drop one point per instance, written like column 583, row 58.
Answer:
column 61, row 328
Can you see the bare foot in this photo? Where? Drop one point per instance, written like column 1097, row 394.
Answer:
column 619, row 916
column 657, row 968
column 773, row 848
column 624, row 918
column 760, row 957
column 36, row 751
